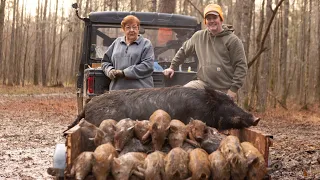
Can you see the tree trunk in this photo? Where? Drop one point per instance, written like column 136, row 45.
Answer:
column 318, row 80
column 265, row 68
column 17, row 48
column 167, row 6
column 307, row 51
column 255, row 84
column 246, row 31
column 36, row 50
column 26, row 37
column 274, row 61
column 237, row 18
column 229, row 18
column 303, row 54
column 53, row 79
column 153, row 5
column 283, row 53
column 59, row 58
column 2, row 64
column 43, row 44
column 12, row 43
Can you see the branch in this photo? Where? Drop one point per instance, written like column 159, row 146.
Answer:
column 281, row 103
column 265, row 36
column 195, row 7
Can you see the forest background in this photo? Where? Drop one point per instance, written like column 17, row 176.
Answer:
column 40, row 43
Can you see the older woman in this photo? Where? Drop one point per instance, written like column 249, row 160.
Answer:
column 129, row 60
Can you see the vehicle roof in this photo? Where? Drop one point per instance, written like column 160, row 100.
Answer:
column 146, row 18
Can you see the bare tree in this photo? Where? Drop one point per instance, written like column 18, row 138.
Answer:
column 36, row 49
column 265, row 68
column 167, row 6
column 153, row 5
column 52, row 58
column 12, row 43
column 43, row 44
column 283, row 54
column 2, row 8
column 318, row 80
column 237, row 18
column 255, row 82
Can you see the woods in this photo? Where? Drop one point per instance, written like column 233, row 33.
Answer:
column 41, row 45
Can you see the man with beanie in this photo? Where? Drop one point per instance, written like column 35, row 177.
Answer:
column 222, row 60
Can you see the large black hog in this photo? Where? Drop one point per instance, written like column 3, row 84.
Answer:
column 214, row 108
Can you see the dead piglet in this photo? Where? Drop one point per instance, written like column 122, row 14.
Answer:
column 102, row 159
column 187, row 147
column 108, row 126
column 176, row 164
column 154, row 166
column 123, row 133
column 211, row 140
column 196, row 131
column 256, row 163
column 199, row 164
column 101, row 138
column 158, row 129
column 135, row 145
column 82, row 165
column 166, row 148
column 177, row 133
column 127, row 165
column 88, row 133
column 140, row 129
column 231, row 149
column 220, row 167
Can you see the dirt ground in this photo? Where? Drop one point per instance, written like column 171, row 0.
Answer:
column 31, row 124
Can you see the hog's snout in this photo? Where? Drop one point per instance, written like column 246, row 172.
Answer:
column 118, row 150
column 199, row 139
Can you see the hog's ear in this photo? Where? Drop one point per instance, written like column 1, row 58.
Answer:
column 113, row 127
column 251, row 159
column 110, row 158
column 130, row 128
column 154, row 126
column 173, row 128
column 206, row 130
column 255, row 121
column 116, row 161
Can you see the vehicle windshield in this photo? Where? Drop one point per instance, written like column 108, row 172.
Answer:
column 166, row 42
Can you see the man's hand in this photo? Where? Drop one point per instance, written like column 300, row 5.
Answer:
column 168, row 72
column 232, row 94
column 112, row 74
column 119, row 73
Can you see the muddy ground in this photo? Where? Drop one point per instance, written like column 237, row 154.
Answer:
column 31, row 124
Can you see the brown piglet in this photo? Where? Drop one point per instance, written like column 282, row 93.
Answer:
column 176, row 164
column 177, row 133
column 220, row 167
column 158, row 128
column 256, row 163
column 127, row 166
column 154, row 166
column 196, row 131
column 124, row 133
column 102, row 159
column 199, row 164
column 82, row 165
column 231, row 149
column 140, row 129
